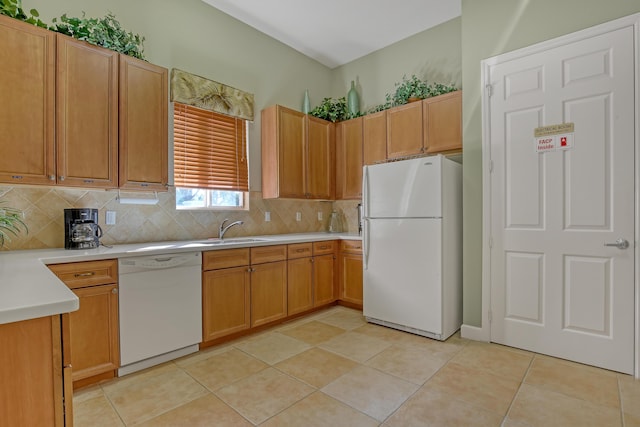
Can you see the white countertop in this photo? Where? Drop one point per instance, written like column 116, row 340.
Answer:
column 28, row 289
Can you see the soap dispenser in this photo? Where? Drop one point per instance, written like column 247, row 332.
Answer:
column 335, row 224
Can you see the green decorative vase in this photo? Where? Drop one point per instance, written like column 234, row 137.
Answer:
column 306, row 104
column 353, row 103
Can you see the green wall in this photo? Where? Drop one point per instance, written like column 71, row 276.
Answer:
column 489, row 28
column 434, row 54
column 195, row 37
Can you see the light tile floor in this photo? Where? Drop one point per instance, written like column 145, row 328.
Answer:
column 334, row 369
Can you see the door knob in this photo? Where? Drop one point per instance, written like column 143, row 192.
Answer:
column 619, row 243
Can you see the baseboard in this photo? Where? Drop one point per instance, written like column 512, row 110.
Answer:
column 474, row 333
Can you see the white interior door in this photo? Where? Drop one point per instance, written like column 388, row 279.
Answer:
column 555, row 287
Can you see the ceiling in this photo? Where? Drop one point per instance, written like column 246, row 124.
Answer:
column 335, row 32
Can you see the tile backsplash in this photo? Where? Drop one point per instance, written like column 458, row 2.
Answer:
column 43, row 209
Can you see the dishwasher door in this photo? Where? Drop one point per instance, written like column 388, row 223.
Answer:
column 160, row 305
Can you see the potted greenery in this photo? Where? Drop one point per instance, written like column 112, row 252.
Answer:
column 330, row 109
column 10, row 223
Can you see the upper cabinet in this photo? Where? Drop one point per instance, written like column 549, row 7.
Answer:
column 73, row 112
column 349, row 163
column 404, row 130
column 442, row 122
column 374, row 135
column 86, row 114
column 27, row 112
column 143, row 125
column 298, row 155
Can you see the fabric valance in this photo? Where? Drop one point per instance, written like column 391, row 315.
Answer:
column 189, row 89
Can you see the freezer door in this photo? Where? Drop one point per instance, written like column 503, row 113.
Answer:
column 408, row 188
column 402, row 272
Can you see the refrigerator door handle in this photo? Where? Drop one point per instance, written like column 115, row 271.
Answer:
column 365, row 192
column 365, row 243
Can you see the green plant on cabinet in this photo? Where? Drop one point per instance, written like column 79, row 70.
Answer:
column 11, row 223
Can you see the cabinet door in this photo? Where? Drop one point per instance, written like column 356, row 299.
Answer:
column 225, row 302
column 86, row 114
column 442, row 120
column 283, row 161
column 374, row 137
column 349, row 159
column 94, row 332
column 323, row 280
column 299, row 285
column 268, row 292
column 320, row 154
column 351, row 278
column 143, row 151
column 404, row 130
column 27, row 67
column 31, row 370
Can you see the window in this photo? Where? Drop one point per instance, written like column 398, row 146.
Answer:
column 210, row 159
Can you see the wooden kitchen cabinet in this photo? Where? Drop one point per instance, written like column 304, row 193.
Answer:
column 93, row 330
column 35, row 382
column 350, row 273
column 299, row 278
column 320, row 156
column 225, row 293
column 374, row 137
column 86, row 114
column 268, row 284
column 442, row 121
column 349, row 161
column 324, row 259
column 143, row 142
column 404, row 130
column 310, row 275
column 298, row 155
column 27, row 115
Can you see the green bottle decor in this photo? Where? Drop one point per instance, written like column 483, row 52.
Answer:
column 306, row 104
column 353, row 103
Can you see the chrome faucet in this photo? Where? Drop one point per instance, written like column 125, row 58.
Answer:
column 224, row 229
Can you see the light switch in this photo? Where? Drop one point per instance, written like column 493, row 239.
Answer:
column 319, row 215
column 267, row 216
column 298, row 216
column 110, row 218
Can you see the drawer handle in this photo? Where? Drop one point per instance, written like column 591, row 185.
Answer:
column 324, row 247
column 302, row 250
column 89, row 274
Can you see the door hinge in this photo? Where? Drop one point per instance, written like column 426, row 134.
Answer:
column 489, row 89
column 490, row 242
column 490, row 315
column 490, row 165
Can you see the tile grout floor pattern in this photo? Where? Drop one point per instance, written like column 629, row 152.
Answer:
column 332, row 368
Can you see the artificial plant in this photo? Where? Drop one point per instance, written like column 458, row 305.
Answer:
column 11, row 223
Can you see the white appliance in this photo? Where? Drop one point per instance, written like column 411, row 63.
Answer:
column 412, row 240
column 160, row 309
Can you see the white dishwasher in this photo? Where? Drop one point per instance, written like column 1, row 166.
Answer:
column 160, row 309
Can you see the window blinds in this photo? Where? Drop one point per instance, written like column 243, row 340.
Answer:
column 210, row 150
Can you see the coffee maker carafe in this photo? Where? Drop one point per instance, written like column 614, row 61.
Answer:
column 81, row 229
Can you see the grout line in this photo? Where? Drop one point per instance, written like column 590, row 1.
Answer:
column 515, row 395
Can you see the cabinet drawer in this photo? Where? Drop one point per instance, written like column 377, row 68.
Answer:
column 354, row 246
column 299, row 250
column 262, row 254
column 88, row 273
column 324, row 248
column 227, row 258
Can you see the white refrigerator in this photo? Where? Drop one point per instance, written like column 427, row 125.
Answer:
column 412, row 245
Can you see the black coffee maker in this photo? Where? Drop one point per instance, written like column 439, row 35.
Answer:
column 81, row 229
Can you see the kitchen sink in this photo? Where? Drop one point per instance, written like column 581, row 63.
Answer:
column 218, row 242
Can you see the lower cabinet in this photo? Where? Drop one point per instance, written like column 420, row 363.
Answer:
column 93, row 330
column 350, row 273
column 225, row 293
column 268, row 292
column 310, row 275
column 35, row 376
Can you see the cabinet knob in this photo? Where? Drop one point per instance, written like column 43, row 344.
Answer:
column 52, row 177
column 61, row 178
column 114, row 291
